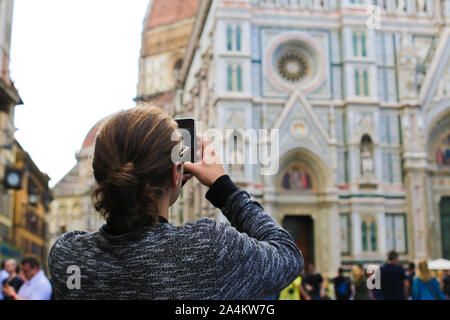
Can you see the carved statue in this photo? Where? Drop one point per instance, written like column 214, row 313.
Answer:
column 367, row 167
column 408, row 61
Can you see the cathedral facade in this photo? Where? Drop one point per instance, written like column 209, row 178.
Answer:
column 359, row 93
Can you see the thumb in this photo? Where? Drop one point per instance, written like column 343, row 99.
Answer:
column 190, row 166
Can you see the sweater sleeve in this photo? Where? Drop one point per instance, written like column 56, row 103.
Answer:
column 257, row 258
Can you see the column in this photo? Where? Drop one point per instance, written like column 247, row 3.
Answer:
column 356, row 234
column 381, row 233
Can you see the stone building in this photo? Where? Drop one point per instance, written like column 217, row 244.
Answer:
column 72, row 207
column 359, row 93
column 9, row 98
column 166, row 30
column 31, row 207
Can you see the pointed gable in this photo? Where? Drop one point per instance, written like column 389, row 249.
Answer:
column 435, row 79
column 300, row 127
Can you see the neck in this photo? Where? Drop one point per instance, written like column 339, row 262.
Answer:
column 164, row 208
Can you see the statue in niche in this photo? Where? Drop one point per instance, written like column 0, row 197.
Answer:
column 367, row 167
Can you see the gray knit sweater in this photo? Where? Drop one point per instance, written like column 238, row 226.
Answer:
column 254, row 258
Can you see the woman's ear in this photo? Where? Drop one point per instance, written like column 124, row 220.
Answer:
column 176, row 173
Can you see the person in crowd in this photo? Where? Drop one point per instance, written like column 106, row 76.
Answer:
column 13, row 280
column 325, row 290
column 342, row 286
column 21, row 274
column 312, row 282
column 410, row 277
column 3, row 275
column 445, row 285
column 294, row 291
column 139, row 169
column 359, row 284
column 37, row 286
column 426, row 287
column 394, row 284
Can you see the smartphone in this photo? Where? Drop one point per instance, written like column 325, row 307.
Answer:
column 187, row 129
column 188, row 134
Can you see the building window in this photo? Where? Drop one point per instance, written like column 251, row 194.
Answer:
column 361, row 83
column 364, row 236
column 234, row 78
column 363, row 45
column 344, row 223
column 359, row 44
column 293, row 66
column 238, row 38
column 355, row 45
column 230, row 78
column 373, row 236
column 229, row 38
column 396, row 232
column 177, row 68
column 366, row 83
column 234, row 38
column 357, row 83
column 239, row 78
column 35, row 249
column 369, row 235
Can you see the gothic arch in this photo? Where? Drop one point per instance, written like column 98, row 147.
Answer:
column 436, row 131
column 320, row 175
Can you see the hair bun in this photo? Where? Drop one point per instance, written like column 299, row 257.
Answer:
column 123, row 176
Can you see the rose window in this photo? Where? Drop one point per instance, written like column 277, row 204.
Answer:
column 292, row 66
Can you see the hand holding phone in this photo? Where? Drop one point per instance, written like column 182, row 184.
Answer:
column 210, row 168
column 188, row 133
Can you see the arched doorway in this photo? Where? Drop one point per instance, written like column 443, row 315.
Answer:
column 444, row 212
column 305, row 202
column 438, row 180
column 302, row 230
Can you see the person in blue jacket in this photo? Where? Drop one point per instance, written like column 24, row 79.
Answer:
column 425, row 287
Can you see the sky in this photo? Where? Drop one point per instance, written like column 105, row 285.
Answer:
column 73, row 63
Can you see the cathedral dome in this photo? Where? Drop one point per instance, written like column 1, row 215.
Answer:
column 90, row 137
column 163, row 12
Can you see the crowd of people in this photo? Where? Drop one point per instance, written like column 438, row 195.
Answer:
column 397, row 283
column 26, row 281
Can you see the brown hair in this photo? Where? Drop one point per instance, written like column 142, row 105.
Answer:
column 358, row 274
column 132, row 162
column 392, row 255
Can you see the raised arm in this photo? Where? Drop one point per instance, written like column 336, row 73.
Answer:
column 257, row 258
